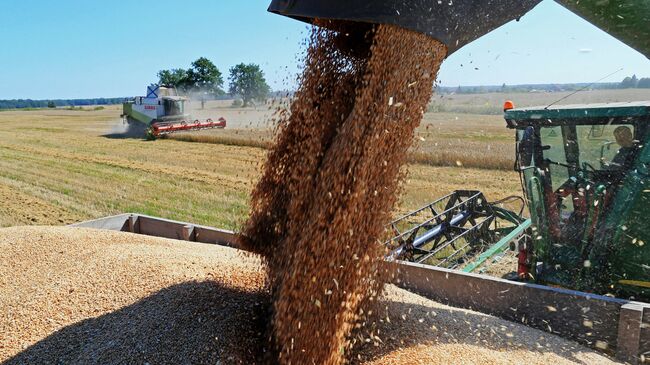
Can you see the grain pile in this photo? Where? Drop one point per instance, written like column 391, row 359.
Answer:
column 80, row 296
column 414, row 330
column 331, row 181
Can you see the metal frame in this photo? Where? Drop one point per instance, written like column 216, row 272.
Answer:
column 502, row 245
column 616, row 326
column 424, row 233
column 454, row 230
column 159, row 227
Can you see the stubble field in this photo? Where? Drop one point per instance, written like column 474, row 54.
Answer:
column 61, row 166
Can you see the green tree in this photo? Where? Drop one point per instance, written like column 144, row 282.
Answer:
column 202, row 76
column 248, row 82
column 205, row 76
column 644, row 83
column 629, row 82
column 176, row 77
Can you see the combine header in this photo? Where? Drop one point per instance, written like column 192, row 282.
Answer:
column 458, row 231
column 162, row 112
column 161, row 129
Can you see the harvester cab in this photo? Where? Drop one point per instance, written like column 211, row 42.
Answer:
column 585, row 174
column 160, row 112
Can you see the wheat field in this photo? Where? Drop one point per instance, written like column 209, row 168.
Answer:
column 443, row 139
column 61, row 166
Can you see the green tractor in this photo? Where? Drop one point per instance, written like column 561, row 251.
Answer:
column 585, row 175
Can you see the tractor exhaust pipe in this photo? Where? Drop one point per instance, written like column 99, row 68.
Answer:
column 456, row 23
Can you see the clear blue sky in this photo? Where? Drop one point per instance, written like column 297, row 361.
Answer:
column 81, row 48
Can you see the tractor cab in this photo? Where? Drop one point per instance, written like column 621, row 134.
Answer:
column 585, row 174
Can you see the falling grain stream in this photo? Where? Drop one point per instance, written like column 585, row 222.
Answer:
column 331, row 180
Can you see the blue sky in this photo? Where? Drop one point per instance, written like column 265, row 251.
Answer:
column 81, row 48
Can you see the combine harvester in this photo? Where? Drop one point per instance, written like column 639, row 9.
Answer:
column 162, row 112
column 585, row 177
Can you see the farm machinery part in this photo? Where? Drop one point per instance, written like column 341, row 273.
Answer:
column 589, row 201
column 461, row 230
column 162, row 112
column 458, row 23
column 161, row 128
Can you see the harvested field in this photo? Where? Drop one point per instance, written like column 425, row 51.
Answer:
column 442, row 139
column 20, row 209
column 78, row 164
column 81, row 296
column 492, row 103
column 465, row 130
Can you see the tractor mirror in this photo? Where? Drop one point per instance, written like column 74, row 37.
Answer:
column 597, row 131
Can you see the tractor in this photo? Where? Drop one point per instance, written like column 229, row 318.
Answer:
column 585, row 175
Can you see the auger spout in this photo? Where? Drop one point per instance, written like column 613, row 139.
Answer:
column 456, row 23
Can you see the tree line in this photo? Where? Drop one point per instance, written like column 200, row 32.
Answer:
column 29, row 103
column 245, row 81
column 630, row 82
column 202, row 78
